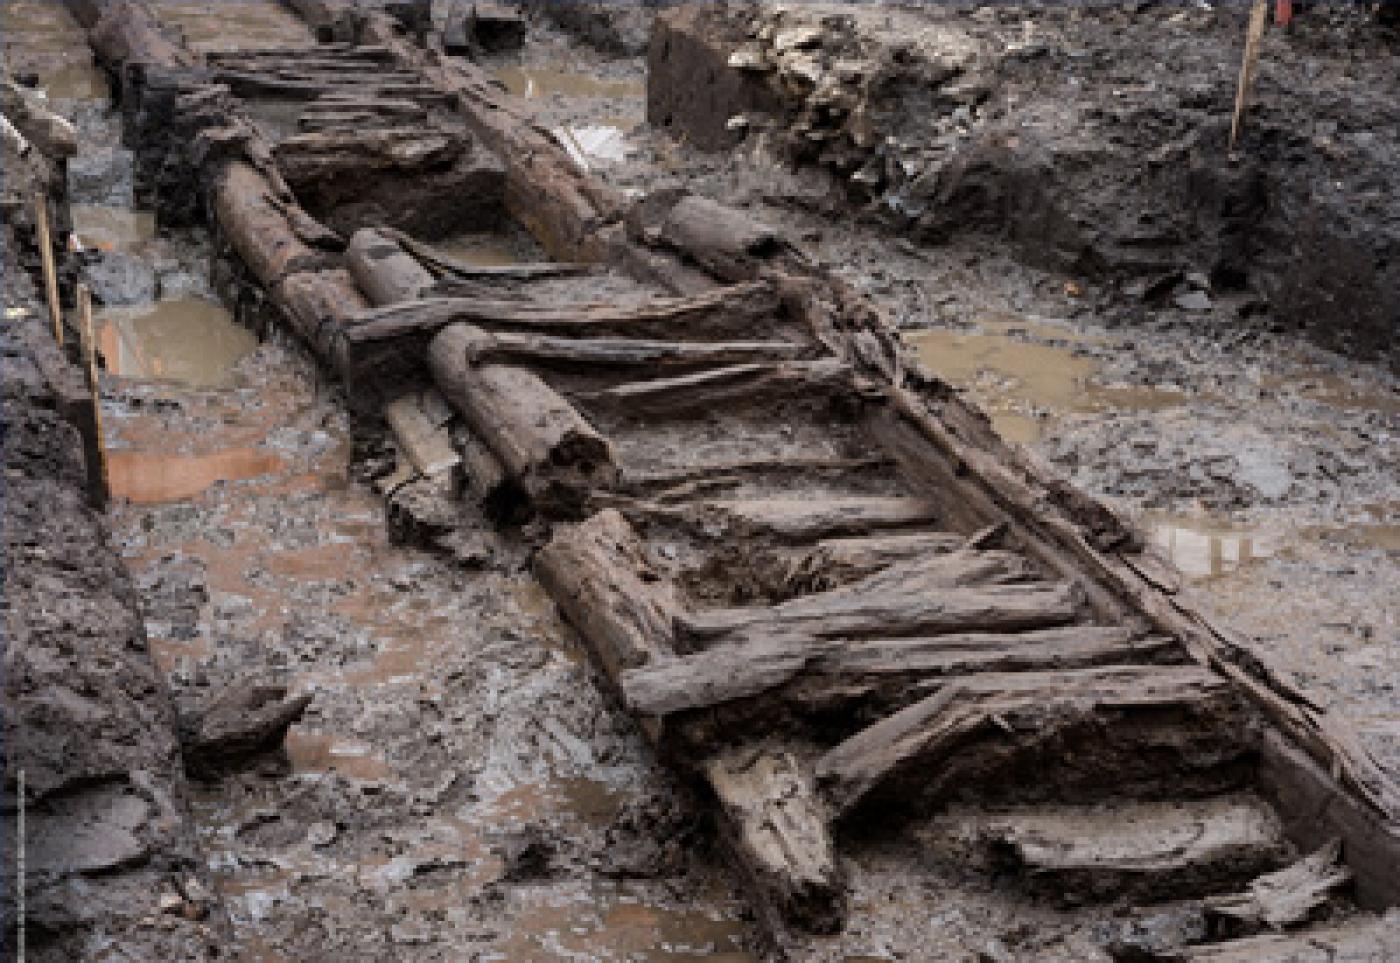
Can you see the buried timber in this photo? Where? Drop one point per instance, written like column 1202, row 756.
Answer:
column 569, row 574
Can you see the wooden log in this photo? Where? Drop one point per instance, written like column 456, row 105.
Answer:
column 427, row 443
column 549, row 351
column 908, row 610
column 727, row 242
column 726, row 312
column 643, row 483
column 812, row 673
column 126, row 32
column 311, row 157
column 261, row 234
column 1289, row 897
column 316, row 304
column 706, row 391
column 451, row 268
column 538, row 437
column 1361, row 939
column 599, row 575
column 1143, row 851
column 385, row 272
column 1016, row 708
column 779, row 832
column 791, row 520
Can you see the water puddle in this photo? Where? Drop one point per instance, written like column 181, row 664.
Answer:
column 108, row 228
column 588, row 800
column 537, row 83
column 1206, row 549
column 189, row 340
column 43, row 38
column 146, row 477
column 1023, row 385
column 1337, row 391
column 479, row 250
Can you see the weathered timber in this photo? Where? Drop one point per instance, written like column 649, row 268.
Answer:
column 540, row 439
column 792, row 520
column 127, row 32
column 779, row 832
column 1355, row 941
column 901, row 611
column 836, row 561
column 254, row 223
column 543, row 350
column 599, row 575
column 384, row 270
column 1144, row 850
column 716, row 388
column 827, row 672
column 308, row 158
column 738, row 310
column 450, row 268
column 725, row 241
column 427, row 443
column 53, row 135
column 562, row 206
column 500, row 496
column 1288, row 897
column 1017, row 708
column 315, row 304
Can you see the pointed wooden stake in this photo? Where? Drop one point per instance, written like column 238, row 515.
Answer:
column 1253, row 41
column 99, row 489
column 41, row 221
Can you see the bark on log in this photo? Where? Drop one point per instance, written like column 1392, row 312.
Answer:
column 384, row 270
column 1288, row 897
column 599, row 575
column 1144, row 851
column 1014, row 707
column 779, row 832
column 718, row 388
column 741, row 310
column 540, row 439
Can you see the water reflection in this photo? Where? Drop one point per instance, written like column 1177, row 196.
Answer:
column 107, row 228
column 1204, row 549
column 184, row 339
column 1021, row 385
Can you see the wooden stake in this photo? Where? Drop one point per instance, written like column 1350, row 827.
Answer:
column 41, row 220
column 1253, row 41
column 98, row 482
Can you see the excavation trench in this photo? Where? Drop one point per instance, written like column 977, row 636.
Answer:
column 466, row 779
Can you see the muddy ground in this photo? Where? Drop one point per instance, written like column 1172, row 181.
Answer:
column 460, row 788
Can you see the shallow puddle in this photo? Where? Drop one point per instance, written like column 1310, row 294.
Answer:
column 43, row 38
column 479, row 250
column 108, row 228
column 147, row 477
column 535, row 83
column 1203, row 549
column 1023, row 384
column 189, row 340
column 1336, row 391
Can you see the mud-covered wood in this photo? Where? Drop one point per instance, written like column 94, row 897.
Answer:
column 540, row 439
column 1288, row 897
column 792, row 520
column 727, row 242
column 427, row 443
column 543, row 350
column 315, row 304
column 599, row 575
column 713, row 388
column 778, row 831
column 1354, row 941
column 53, row 135
column 662, row 483
column 738, row 311
column 306, row 158
column 384, row 270
column 906, row 610
column 836, row 561
column 808, row 672
column 1144, row 850
column 127, row 32
column 1013, row 708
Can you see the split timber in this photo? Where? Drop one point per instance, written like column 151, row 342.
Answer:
column 909, row 610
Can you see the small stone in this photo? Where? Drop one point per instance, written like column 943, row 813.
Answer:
column 171, row 903
column 1193, row 301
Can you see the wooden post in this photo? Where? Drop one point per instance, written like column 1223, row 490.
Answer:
column 41, row 221
column 96, row 447
column 1253, row 41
